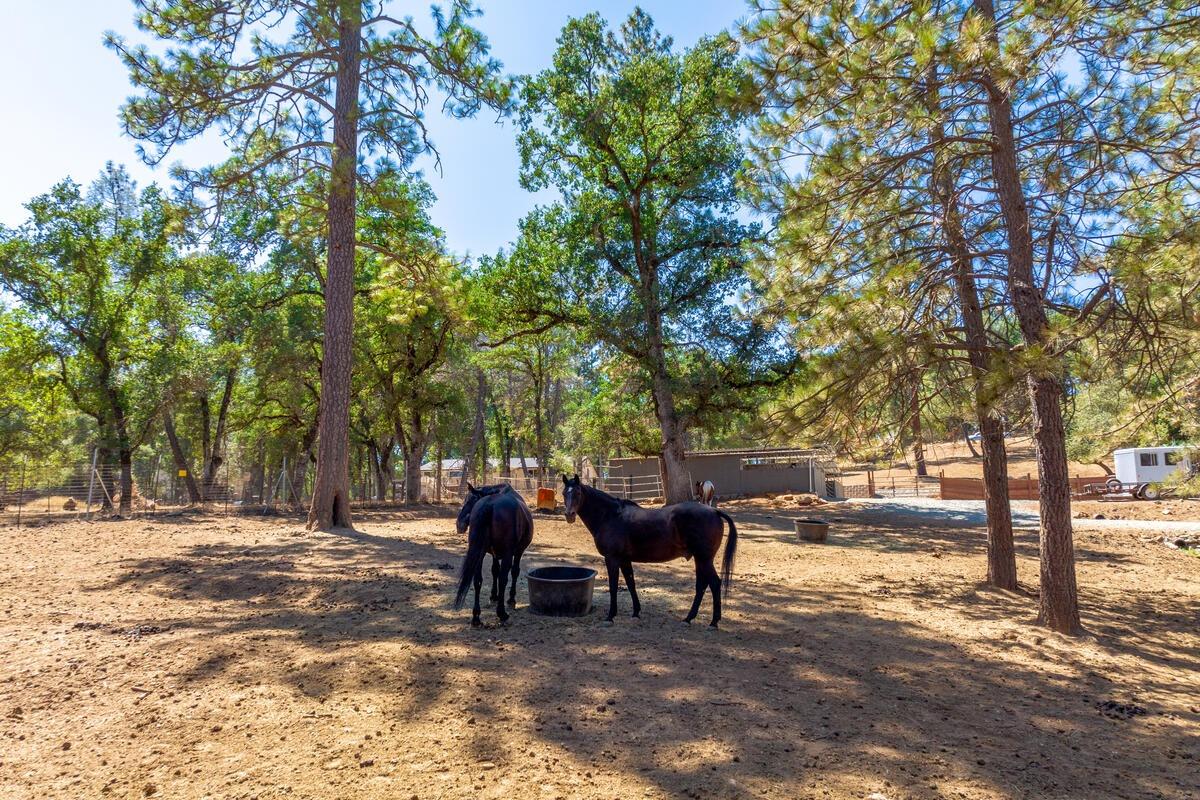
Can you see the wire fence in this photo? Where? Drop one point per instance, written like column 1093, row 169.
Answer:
column 631, row 487
column 34, row 492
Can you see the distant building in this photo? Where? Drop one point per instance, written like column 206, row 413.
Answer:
column 452, row 467
column 735, row 473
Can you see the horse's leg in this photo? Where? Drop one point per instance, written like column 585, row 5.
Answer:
column 495, row 578
column 701, row 585
column 505, row 568
column 612, row 565
column 516, row 572
column 627, row 571
column 714, row 583
column 475, row 620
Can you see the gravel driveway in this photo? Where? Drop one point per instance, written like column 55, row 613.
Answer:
column 1024, row 512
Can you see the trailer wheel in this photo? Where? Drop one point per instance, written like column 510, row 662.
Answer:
column 1150, row 492
column 1137, row 490
column 1113, row 485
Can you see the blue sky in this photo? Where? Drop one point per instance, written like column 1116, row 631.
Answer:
column 62, row 89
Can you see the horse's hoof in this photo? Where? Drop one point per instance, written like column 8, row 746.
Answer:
column 637, row 615
column 476, row 623
column 687, row 622
column 504, row 623
column 714, row 625
column 512, row 601
column 609, row 621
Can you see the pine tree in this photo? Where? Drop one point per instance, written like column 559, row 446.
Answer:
column 339, row 96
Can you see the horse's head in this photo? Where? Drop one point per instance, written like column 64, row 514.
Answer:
column 572, row 497
column 464, row 513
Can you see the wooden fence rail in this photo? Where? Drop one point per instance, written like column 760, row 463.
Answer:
column 1024, row 488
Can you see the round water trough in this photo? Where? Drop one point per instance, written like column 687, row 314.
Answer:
column 561, row 591
column 812, row 530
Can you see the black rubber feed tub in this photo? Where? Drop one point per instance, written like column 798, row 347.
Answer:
column 561, row 591
column 812, row 530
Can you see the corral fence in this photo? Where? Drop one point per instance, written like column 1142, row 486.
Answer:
column 631, row 487
column 891, row 486
column 1025, row 488
column 33, row 492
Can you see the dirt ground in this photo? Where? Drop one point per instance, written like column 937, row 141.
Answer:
column 235, row 658
column 1174, row 509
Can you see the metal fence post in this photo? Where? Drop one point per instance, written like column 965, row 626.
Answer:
column 154, row 483
column 92, row 480
column 21, row 494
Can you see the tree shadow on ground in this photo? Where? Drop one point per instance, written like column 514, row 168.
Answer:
column 807, row 688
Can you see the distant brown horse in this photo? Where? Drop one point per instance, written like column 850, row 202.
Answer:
column 625, row 532
column 706, row 493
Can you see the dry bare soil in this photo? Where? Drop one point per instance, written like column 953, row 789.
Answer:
column 221, row 657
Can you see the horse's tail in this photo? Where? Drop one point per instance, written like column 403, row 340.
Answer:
column 477, row 541
column 730, row 552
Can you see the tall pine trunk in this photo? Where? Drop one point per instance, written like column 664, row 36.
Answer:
column 412, row 474
column 676, row 486
column 215, row 455
column 126, row 459
column 1001, row 555
column 470, row 452
column 413, row 444
column 966, row 432
column 1059, row 604
column 381, row 460
column 181, row 462
column 539, row 436
column 331, row 490
column 918, row 445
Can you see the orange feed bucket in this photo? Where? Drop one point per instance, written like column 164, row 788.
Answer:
column 546, row 500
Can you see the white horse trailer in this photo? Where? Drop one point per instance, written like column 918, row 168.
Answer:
column 1149, row 464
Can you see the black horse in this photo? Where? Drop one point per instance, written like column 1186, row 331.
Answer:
column 625, row 532
column 464, row 520
column 499, row 523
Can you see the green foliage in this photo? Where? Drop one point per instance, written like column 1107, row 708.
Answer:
column 35, row 414
column 645, row 254
column 1185, row 483
column 272, row 96
column 98, row 277
column 860, row 105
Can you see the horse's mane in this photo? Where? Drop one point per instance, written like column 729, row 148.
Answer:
column 495, row 488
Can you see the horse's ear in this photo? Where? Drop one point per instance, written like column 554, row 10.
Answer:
column 470, row 488
column 577, row 477
column 564, row 477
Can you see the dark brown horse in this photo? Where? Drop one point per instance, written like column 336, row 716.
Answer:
column 498, row 522
column 625, row 532
column 464, row 521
